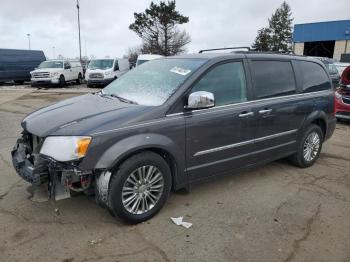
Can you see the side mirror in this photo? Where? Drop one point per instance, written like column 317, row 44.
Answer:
column 116, row 67
column 67, row 67
column 200, row 100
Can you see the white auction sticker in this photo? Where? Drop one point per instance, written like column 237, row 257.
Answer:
column 180, row 71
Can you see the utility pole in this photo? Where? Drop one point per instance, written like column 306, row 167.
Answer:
column 78, row 7
column 28, row 40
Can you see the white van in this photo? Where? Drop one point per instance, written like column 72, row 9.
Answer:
column 101, row 72
column 146, row 57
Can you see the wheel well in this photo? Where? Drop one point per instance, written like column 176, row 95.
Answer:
column 322, row 124
column 163, row 153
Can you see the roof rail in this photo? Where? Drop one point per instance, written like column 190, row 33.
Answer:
column 225, row 48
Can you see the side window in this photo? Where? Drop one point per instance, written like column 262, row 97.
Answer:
column 66, row 65
column 116, row 65
column 314, row 77
column 273, row 78
column 226, row 81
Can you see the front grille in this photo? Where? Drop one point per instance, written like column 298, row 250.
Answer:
column 346, row 100
column 41, row 75
column 95, row 75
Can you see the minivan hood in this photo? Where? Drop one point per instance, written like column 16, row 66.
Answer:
column 82, row 115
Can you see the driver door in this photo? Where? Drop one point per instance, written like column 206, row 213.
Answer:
column 221, row 138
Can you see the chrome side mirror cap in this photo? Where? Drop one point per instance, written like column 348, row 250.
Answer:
column 200, row 100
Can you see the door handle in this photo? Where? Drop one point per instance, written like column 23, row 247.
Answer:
column 265, row 111
column 246, row 114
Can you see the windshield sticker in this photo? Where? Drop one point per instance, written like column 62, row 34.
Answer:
column 180, row 71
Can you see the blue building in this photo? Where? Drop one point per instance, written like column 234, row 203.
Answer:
column 327, row 39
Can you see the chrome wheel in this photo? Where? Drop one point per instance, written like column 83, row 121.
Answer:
column 142, row 189
column 311, row 146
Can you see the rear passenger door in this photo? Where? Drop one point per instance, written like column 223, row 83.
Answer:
column 220, row 139
column 278, row 110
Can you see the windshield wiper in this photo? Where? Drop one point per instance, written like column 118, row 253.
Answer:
column 122, row 99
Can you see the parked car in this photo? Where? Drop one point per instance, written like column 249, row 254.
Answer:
column 341, row 66
column 101, row 72
column 332, row 70
column 16, row 64
column 175, row 121
column 342, row 97
column 57, row 72
column 146, row 57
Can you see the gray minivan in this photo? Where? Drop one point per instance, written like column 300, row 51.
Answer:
column 174, row 121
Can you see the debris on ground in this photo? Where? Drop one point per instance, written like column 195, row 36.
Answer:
column 57, row 212
column 179, row 221
column 95, row 241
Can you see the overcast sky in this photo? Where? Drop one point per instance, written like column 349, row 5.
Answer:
column 104, row 23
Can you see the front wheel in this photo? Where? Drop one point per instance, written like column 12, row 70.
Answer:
column 62, row 81
column 139, row 188
column 309, row 147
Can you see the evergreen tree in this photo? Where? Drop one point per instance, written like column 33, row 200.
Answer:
column 157, row 27
column 280, row 25
column 262, row 41
column 278, row 36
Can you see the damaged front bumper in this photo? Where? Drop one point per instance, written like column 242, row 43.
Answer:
column 38, row 169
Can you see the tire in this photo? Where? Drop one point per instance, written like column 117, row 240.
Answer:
column 62, row 81
column 89, row 86
column 79, row 80
column 19, row 82
column 121, row 190
column 301, row 158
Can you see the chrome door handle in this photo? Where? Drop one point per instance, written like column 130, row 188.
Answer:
column 265, row 111
column 246, row 114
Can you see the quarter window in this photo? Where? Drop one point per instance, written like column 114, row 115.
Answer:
column 273, row 78
column 226, row 81
column 314, row 77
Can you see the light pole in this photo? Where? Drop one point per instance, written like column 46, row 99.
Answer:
column 53, row 52
column 78, row 7
column 28, row 40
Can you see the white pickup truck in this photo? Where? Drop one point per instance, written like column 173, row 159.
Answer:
column 57, row 72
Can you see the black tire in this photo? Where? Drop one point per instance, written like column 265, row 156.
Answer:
column 62, row 81
column 120, row 176
column 79, row 80
column 298, row 158
column 19, row 82
column 89, row 86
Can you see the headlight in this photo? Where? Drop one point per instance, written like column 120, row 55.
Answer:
column 108, row 73
column 65, row 148
column 54, row 74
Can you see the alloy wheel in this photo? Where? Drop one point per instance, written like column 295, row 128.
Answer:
column 311, row 146
column 142, row 189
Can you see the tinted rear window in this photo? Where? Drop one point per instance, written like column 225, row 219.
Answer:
column 314, row 77
column 273, row 78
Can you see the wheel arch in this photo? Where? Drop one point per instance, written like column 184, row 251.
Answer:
column 116, row 154
column 318, row 118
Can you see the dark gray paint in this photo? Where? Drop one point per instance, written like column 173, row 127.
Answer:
column 120, row 129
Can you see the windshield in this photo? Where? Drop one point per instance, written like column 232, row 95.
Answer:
column 101, row 64
column 139, row 62
column 51, row 64
column 154, row 82
column 332, row 69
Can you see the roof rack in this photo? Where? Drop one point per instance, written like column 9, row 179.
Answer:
column 226, row 48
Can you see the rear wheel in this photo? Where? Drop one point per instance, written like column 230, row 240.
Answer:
column 139, row 188
column 309, row 147
column 19, row 82
column 62, row 81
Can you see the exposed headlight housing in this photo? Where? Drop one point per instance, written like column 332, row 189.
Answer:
column 337, row 95
column 65, row 148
